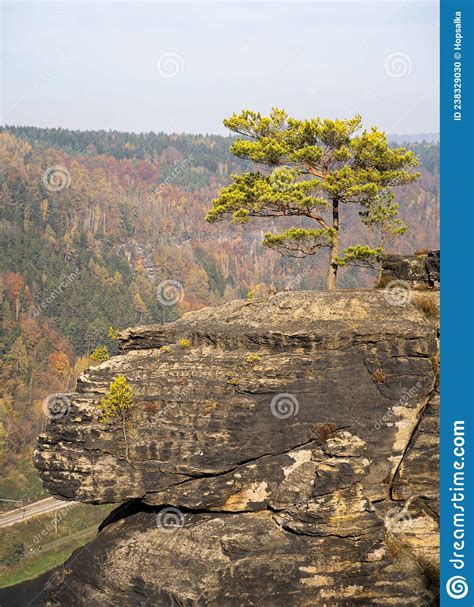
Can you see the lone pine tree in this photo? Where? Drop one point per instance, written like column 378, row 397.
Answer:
column 317, row 166
column 117, row 404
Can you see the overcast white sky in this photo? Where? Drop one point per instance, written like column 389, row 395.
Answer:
column 185, row 66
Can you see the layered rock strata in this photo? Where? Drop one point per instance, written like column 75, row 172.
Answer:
column 282, row 451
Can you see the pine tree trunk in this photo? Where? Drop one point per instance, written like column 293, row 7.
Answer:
column 332, row 268
column 331, row 277
column 379, row 274
column 125, row 438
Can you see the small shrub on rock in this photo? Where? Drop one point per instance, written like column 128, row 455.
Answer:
column 252, row 358
column 379, row 376
column 117, row 404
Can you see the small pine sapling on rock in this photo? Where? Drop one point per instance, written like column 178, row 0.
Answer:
column 117, row 404
column 100, row 354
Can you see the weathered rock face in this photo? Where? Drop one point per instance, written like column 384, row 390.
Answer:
column 294, row 439
column 420, row 271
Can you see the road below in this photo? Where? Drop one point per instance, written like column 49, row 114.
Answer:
column 44, row 506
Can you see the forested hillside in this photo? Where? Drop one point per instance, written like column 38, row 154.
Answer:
column 102, row 230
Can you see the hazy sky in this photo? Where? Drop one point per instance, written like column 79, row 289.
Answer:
column 185, row 66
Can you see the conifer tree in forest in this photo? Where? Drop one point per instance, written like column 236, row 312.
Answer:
column 314, row 168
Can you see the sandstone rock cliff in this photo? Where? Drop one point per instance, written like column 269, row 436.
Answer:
column 420, row 271
column 283, row 452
